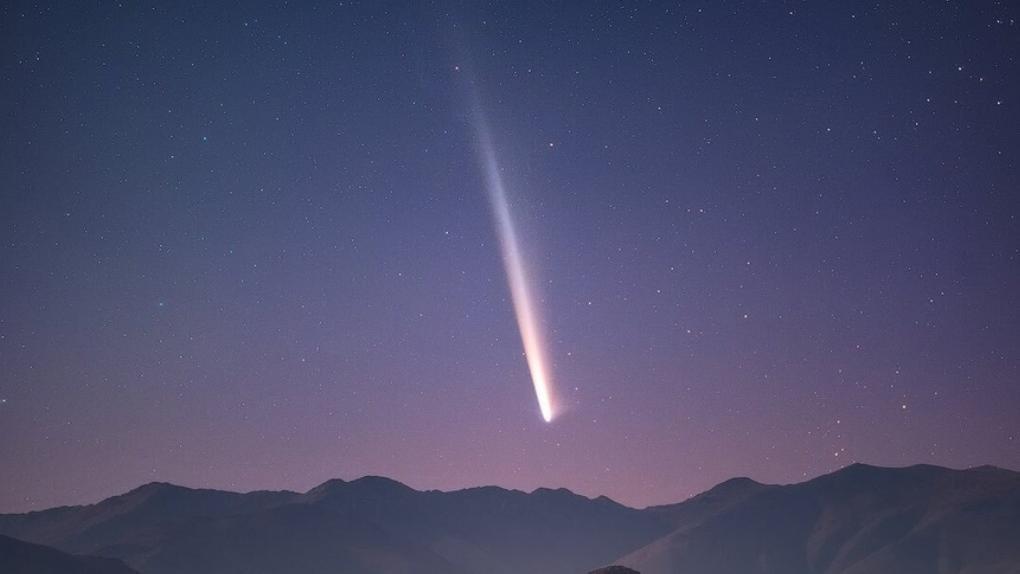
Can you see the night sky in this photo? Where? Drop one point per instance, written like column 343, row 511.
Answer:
column 251, row 247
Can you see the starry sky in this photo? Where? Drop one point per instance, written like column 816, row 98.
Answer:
column 249, row 246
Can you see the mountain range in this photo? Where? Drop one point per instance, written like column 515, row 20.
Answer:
column 858, row 520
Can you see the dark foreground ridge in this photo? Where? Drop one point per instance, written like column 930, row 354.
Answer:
column 17, row 557
column 858, row 520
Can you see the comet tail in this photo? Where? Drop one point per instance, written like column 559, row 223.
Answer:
column 528, row 319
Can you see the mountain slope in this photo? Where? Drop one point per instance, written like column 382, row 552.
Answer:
column 17, row 557
column 291, row 538
column 859, row 520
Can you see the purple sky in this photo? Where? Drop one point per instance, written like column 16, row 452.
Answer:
column 250, row 247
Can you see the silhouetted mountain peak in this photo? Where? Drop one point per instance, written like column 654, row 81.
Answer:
column 727, row 490
column 167, row 489
column 860, row 470
column 490, row 489
column 559, row 492
column 859, row 467
column 155, row 488
column 148, row 493
column 605, row 500
column 331, row 484
column 378, row 482
column 992, row 469
column 366, row 487
column 736, row 484
column 861, row 473
column 564, row 496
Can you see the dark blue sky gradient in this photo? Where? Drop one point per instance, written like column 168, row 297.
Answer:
column 249, row 247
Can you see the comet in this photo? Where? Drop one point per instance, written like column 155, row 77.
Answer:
column 529, row 322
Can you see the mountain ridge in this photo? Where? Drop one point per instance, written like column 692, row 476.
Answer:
column 340, row 482
column 860, row 519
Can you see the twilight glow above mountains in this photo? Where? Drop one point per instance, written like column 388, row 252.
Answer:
column 253, row 247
